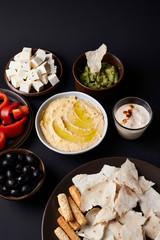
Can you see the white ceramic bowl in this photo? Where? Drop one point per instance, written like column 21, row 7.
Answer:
column 81, row 96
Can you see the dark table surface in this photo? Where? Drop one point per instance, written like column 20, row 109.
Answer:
column 131, row 31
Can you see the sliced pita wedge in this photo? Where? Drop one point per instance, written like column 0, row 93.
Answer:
column 145, row 184
column 150, row 201
column 125, row 201
column 152, row 226
column 102, row 194
column 90, row 231
column 115, row 228
column 132, row 218
column 132, row 232
column 158, row 236
column 105, row 215
column 108, row 235
column 128, row 176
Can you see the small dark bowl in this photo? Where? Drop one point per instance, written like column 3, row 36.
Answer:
column 47, row 88
column 100, row 94
column 41, row 166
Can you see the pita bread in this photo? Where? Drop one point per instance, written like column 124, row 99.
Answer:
column 94, row 58
column 132, row 218
column 105, row 215
column 152, row 226
column 150, row 201
column 127, row 175
column 90, row 231
column 115, row 228
column 85, row 181
column 158, row 236
column 131, row 232
column 145, row 184
column 102, row 194
column 109, row 171
column 125, row 201
column 108, row 235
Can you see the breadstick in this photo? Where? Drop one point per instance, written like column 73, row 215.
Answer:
column 65, row 207
column 80, row 218
column 74, row 224
column 61, row 234
column 75, row 194
column 68, row 230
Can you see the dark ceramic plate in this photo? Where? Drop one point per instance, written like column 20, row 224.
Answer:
column 17, row 141
column 47, row 88
column 49, row 221
column 41, row 166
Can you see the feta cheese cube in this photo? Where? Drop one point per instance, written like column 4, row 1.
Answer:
column 41, row 54
column 25, row 87
column 49, row 56
column 36, row 61
column 10, row 73
column 34, row 75
column 22, row 74
column 51, row 61
column 14, row 64
column 53, row 79
column 25, row 55
column 27, row 49
column 38, row 85
column 53, row 69
column 25, row 65
column 17, row 57
column 44, row 68
column 44, row 79
column 16, row 82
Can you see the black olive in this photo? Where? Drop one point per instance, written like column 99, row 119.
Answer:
column 37, row 174
column 21, row 179
column 26, row 170
column 8, row 163
column 2, row 178
column 26, row 189
column 15, row 192
column 19, row 167
column 32, row 160
column 10, row 174
column 5, row 190
column 11, row 156
column 20, row 157
column 11, row 183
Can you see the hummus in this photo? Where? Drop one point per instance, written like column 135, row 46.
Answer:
column 70, row 124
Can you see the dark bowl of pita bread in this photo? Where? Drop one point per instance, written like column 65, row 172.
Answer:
column 80, row 68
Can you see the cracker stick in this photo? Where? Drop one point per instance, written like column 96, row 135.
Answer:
column 74, row 224
column 75, row 194
column 68, row 230
column 80, row 218
column 65, row 207
column 61, row 234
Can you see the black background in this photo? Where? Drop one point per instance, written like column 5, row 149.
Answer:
column 131, row 31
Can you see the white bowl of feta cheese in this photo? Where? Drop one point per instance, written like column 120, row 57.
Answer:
column 132, row 116
column 33, row 72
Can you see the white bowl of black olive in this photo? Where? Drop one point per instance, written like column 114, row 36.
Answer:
column 22, row 173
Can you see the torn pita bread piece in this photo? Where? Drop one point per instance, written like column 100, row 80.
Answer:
column 132, row 218
column 105, row 215
column 127, row 175
column 132, row 232
column 115, row 227
column 108, row 235
column 152, row 226
column 109, row 171
column 102, row 194
column 90, row 231
column 85, row 181
column 150, row 201
column 158, row 236
column 125, row 201
column 145, row 184
column 94, row 58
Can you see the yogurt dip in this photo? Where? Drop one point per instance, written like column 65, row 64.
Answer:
column 132, row 116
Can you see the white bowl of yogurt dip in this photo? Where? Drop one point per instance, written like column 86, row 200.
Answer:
column 132, row 116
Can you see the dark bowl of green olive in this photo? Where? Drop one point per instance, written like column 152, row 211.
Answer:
column 22, row 174
column 101, row 84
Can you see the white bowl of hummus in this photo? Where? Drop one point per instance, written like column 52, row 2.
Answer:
column 132, row 116
column 71, row 123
